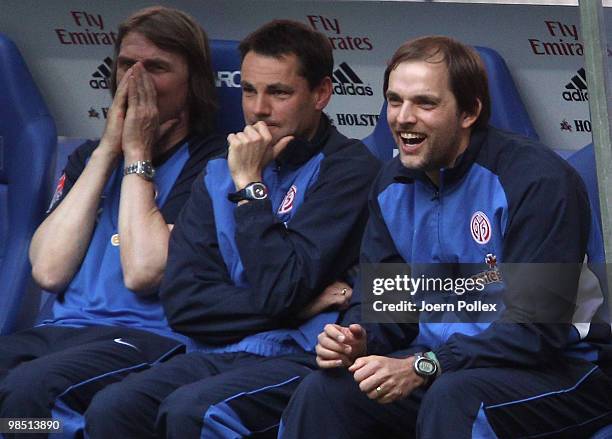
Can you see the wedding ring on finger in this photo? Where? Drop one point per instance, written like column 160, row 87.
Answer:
column 344, row 290
column 378, row 391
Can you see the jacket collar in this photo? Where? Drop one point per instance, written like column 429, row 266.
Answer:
column 163, row 158
column 299, row 151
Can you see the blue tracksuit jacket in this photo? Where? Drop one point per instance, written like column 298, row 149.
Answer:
column 509, row 197
column 236, row 276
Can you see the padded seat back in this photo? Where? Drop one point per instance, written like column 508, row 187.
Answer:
column 27, row 152
column 584, row 162
column 226, row 64
column 507, row 109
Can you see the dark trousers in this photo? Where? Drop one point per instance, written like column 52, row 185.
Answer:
column 571, row 400
column 199, row 395
column 54, row 371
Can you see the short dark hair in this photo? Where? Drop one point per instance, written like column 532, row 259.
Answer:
column 284, row 37
column 177, row 32
column 466, row 72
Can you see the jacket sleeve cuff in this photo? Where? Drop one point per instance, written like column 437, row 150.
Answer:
column 248, row 212
column 446, row 358
column 352, row 275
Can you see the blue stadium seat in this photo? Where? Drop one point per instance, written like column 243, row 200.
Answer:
column 507, row 109
column 584, row 162
column 226, row 64
column 379, row 141
column 604, row 433
column 27, row 157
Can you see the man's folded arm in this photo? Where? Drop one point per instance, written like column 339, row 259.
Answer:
column 199, row 297
column 289, row 265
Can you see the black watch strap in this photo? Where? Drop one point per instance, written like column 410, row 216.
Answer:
column 255, row 190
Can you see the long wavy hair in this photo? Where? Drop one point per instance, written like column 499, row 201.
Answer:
column 177, row 32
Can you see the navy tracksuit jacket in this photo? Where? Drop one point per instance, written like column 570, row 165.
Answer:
column 236, row 276
column 484, row 207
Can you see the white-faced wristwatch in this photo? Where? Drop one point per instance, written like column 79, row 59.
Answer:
column 142, row 168
column 426, row 365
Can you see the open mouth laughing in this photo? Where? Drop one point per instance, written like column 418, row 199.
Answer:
column 411, row 140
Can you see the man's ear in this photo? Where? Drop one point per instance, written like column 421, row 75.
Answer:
column 322, row 93
column 469, row 119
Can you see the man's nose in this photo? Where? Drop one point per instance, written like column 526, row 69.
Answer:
column 406, row 114
column 261, row 106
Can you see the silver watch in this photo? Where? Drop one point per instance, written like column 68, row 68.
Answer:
column 142, row 168
column 426, row 365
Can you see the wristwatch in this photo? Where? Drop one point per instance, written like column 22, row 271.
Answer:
column 253, row 191
column 142, row 168
column 426, row 365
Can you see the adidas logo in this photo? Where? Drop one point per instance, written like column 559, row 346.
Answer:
column 346, row 82
column 101, row 76
column 577, row 88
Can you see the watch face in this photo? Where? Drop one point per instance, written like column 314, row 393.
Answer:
column 259, row 191
column 425, row 366
column 148, row 169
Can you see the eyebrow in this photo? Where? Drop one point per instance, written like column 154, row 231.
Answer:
column 277, row 86
column 418, row 98
column 426, row 97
